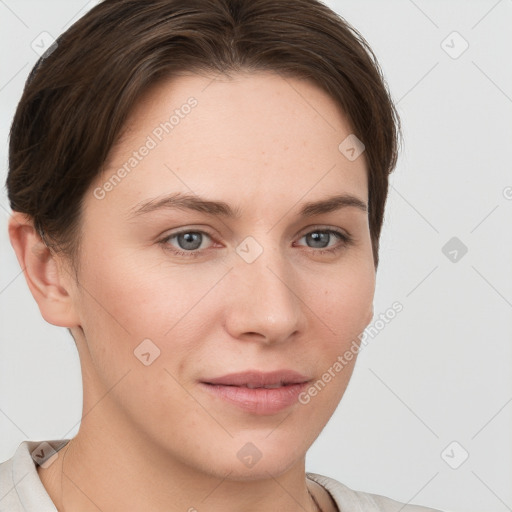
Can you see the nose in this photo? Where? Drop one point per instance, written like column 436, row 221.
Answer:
column 265, row 302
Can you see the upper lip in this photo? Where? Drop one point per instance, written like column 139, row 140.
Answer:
column 255, row 378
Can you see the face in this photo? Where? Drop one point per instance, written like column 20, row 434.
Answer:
column 173, row 298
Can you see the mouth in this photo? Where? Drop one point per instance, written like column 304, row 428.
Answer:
column 258, row 392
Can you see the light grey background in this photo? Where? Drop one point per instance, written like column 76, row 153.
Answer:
column 441, row 370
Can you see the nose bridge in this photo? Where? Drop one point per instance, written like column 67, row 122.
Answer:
column 264, row 298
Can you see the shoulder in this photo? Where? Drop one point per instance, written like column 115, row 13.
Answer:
column 349, row 500
column 21, row 489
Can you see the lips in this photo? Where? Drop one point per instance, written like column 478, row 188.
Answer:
column 255, row 392
column 256, row 379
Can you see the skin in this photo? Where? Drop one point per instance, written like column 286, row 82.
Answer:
column 150, row 437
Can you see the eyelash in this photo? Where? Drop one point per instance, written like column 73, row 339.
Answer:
column 345, row 238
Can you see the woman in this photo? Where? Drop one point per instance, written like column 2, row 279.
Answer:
column 198, row 191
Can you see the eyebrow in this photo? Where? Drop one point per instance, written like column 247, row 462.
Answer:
column 185, row 201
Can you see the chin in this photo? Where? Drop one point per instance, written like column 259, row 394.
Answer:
column 245, row 461
column 260, row 471
column 259, row 460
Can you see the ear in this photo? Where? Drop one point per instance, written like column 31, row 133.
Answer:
column 50, row 283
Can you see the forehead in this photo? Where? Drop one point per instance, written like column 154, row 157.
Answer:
column 254, row 135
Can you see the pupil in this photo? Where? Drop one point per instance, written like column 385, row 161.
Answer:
column 317, row 236
column 189, row 239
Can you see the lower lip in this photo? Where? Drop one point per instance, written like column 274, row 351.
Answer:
column 258, row 400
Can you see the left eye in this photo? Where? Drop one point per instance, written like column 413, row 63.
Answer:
column 321, row 236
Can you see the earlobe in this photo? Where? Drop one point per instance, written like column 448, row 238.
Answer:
column 48, row 281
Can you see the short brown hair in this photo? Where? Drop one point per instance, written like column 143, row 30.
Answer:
column 78, row 96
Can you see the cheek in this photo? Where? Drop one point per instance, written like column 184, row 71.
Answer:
column 126, row 301
column 344, row 303
column 133, row 297
column 126, row 311
column 117, row 314
column 345, row 307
